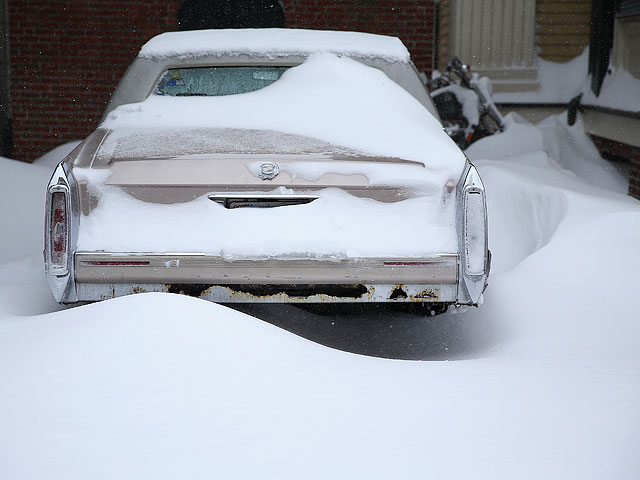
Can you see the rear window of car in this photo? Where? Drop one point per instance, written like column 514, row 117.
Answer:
column 216, row 81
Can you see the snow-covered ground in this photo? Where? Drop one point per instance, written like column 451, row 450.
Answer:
column 164, row 386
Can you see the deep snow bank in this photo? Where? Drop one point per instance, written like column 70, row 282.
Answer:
column 567, row 147
column 23, row 195
column 22, row 218
column 560, row 82
column 161, row 386
column 538, row 178
column 23, row 287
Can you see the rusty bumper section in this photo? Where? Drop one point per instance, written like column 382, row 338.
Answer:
column 356, row 293
column 101, row 275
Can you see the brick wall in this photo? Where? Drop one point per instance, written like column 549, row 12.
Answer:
column 66, row 59
column 67, row 56
column 412, row 21
column 613, row 150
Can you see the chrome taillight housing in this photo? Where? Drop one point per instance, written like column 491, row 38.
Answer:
column 475, row 237
column 472, row 237
column 58, row 224
column 61, row 223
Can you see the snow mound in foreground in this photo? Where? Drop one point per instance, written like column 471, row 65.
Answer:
column 23, row 195
column 161, row 386
column 22, row 219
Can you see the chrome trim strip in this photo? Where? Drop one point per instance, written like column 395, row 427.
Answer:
column 470, row 287
column 95, row 154
column 172, row 268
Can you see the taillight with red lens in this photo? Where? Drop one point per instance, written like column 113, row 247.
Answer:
column 58, row 229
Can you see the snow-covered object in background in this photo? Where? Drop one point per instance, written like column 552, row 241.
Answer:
column 620, row 90
column 464, row 104
column 570, row 145
column 469, row 98
column 274, row 41
column 579, row 155
column 469, row 101
column 560, row 82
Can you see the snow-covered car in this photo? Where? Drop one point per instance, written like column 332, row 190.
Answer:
column 269, row 166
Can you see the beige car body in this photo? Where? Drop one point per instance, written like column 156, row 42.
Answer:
column 220, row 171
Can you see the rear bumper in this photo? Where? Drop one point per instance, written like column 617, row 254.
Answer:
column 434, row 279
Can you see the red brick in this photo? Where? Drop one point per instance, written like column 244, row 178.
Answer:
column 67, row 56
column 412, row 21
column 66, row 59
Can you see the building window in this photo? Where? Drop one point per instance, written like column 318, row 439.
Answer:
column 203, row 14
column 627, row 8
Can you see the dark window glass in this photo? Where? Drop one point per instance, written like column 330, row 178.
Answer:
column 628, row 8
column 202, row 14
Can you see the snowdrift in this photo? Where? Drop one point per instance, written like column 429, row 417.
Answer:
column 161, row 386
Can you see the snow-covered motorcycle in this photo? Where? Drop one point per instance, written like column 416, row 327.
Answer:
column 464, row 103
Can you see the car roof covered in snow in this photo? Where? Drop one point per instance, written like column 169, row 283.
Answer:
column 274, row 42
